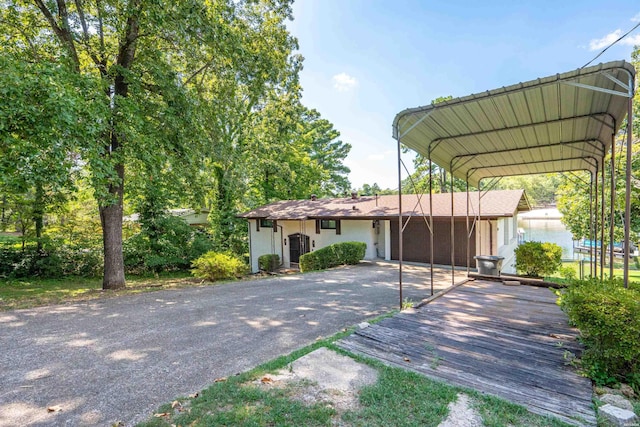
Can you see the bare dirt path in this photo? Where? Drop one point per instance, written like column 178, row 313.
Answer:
column 117, row 359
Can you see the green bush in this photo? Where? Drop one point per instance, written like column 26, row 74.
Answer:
column 608, row 316
column 171, row 245
column 52, row 261
column 333, row 255
column 214, row 266
column 538, row 259
column 269, row 262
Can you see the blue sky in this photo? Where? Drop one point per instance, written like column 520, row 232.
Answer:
column 366, row 60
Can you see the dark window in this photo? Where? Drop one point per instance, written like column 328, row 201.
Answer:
column 328, row 224
column 267, row 223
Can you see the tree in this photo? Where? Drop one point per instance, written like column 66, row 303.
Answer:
column 141, row 54
column 43, row 125
column 573, row 193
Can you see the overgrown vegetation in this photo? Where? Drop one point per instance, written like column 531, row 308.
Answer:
column 608, row 316
column 538, row 259
column 348, row 253
column 214, row 266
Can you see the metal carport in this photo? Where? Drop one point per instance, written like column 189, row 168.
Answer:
column 565, row 122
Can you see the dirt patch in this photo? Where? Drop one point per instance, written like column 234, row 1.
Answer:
column 461, row 414
column 323, row 376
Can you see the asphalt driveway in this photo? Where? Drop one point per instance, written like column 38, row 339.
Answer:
column 117, row 359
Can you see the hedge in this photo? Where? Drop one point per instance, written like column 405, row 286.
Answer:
column 214, row 266
column 349, row 253
column 608, row 316
column 269, row 262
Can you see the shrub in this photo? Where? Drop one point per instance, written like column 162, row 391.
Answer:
column 333, row 255
column 170, row 245
column 269, row 262
column 214, row 266
column 538, row 259
column 608, row 316
column 52, row 261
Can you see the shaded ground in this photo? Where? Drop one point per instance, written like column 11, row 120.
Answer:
column 117, row 359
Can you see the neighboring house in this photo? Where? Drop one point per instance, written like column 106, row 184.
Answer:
column 190, row 216
column 291, row 228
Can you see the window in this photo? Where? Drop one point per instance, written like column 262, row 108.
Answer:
column 267, row 223
column 328, row 224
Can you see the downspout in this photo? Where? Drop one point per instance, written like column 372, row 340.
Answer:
column 250, row 246
column 281, row 245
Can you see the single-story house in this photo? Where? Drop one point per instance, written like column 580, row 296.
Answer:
column 195, row 218
column 290, row 228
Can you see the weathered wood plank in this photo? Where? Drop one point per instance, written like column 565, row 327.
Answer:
column 496, row 339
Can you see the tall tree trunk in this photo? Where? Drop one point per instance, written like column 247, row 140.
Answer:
column 111, row 220
column 38, row 214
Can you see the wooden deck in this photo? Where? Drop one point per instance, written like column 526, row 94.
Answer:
column 507, row 341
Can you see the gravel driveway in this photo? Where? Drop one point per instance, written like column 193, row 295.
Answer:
column 117, row 359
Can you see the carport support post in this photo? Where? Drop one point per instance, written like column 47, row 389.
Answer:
column 592, row 243
column 612, row 207
column 453, row 237
column 603, row 252
column 400, row 228
column 627, row 201
column 468, row 234
column 430, row 218
column 595, row 222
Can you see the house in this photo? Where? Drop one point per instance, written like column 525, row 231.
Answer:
column 195, row 218
column 290, row 228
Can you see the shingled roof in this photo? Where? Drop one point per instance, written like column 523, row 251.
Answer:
column 497, row 203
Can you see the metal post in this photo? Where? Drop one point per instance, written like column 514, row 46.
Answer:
column 627, row 200
column 400, row 227
column 453, row 236
column 592, row 245
column 612, row 208
column 595, row 223
column 431, row 218
column 468, row 233
column 603, row 253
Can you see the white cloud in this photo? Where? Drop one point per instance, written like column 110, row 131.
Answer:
column 636, row 18
column 597, row 44
column 343, row 82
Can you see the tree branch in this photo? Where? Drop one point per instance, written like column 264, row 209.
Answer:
column 85, row 35
column 63, row 33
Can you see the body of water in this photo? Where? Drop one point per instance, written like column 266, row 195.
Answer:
column 544, row 225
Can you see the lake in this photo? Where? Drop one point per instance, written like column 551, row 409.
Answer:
column 544, row 225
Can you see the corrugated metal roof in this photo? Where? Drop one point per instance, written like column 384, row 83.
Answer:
column 546, row 125
column 497, row 203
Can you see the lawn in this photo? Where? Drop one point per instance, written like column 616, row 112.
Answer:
column 398, row 398
column 634, row 271
column 32, row 292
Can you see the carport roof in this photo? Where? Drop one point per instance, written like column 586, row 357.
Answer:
column 563, row 122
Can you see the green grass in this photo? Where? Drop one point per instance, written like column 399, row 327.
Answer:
column 634, row 273
column 25, row 293
column 398, row 398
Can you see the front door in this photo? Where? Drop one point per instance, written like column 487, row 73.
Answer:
column 298, row 245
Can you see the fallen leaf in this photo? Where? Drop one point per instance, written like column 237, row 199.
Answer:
column 406, row 359
column 56, row 408
column 174, row 404
column 266, row 380
column 161, row 414
column 219, row 380
column 194, row 395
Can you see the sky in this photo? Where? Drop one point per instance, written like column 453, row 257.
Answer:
column 367, row 60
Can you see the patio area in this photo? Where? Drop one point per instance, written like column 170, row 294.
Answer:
column 512, row 342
